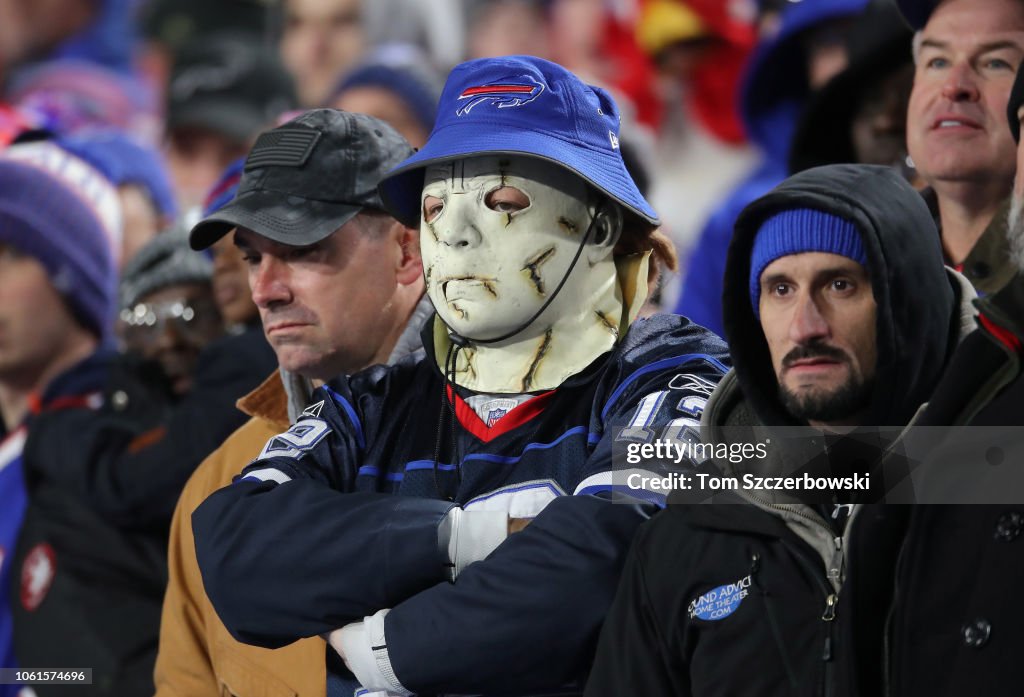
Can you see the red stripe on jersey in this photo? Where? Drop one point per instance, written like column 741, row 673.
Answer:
column 523, row 413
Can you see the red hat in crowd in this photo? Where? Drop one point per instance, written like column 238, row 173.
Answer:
column 726, row 30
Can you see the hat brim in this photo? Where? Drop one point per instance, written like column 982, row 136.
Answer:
column 283, row 218
column 234, row 120
column 401, row 188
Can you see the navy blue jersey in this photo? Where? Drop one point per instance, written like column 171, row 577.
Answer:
column 338, row 517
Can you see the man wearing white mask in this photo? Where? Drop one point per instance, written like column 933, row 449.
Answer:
column 502, row 232
column 384, row 518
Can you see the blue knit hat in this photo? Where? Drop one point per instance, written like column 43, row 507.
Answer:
column 797, row 231
column 46, row 220
column 123, row 160
column 410, row 83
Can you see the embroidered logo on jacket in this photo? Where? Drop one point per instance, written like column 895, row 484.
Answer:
column 314, row 410
column 719, row 603
column 37, row 572
column 494, row 415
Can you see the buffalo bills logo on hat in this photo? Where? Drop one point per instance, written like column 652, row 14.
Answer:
column 503, row 94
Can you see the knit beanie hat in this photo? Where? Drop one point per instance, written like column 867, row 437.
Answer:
column 417, row 89
column 46, row 220
column 87, row 183
column 800, row 230
column 124, row 161
column 167, row 260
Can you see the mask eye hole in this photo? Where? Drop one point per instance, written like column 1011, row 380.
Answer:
column 432, row 207
column 507, row 199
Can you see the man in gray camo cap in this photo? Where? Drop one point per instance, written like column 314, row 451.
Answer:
column 339, row 287
column 312, row 227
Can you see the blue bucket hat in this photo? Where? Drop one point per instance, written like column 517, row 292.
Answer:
column 520, row 105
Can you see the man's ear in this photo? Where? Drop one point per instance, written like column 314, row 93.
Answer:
column 410, row 265
column 606, row 233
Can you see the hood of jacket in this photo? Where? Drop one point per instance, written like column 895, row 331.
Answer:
column 919, row 318
column 774, row 86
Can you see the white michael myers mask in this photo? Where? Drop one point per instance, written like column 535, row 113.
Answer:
column 497, row 236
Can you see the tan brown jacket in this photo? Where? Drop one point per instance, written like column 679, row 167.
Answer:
column 198, row 657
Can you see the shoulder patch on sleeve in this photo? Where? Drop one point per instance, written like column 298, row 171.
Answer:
column 314, row 410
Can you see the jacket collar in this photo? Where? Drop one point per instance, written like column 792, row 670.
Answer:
column 268, row 402
column 1003, row 308
column 989, row 265
column 410, row 341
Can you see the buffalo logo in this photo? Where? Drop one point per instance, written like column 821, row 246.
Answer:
column 503, row 94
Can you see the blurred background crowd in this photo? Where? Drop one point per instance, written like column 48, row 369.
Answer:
column 160, row 96
column 145, row 109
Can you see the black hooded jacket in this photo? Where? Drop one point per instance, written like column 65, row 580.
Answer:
column 915, row 331
column 765, row 596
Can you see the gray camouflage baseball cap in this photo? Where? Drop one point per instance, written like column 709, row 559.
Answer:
column 305, row 179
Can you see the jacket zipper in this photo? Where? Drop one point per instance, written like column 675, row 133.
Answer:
column 828, row 616
column 831, row 596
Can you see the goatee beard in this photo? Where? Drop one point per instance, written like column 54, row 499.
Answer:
column 849, row 399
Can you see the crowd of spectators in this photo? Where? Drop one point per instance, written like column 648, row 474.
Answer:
column 147, row 349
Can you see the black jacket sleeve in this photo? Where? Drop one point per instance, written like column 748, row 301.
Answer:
column 632, row 655
column 274, row 577
column 129, row 464
column 525, row 618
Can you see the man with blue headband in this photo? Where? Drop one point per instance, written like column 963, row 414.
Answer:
column 447, row 523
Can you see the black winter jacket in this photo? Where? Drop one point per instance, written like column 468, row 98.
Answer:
column 968, row 560
column 102, row 485
column 757, row 594
column 726, row 599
